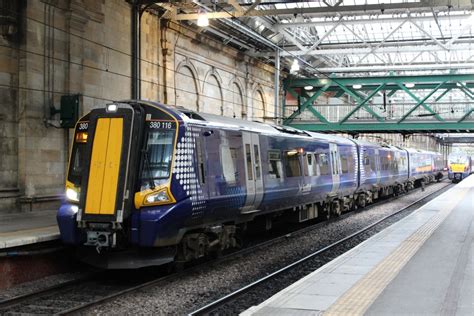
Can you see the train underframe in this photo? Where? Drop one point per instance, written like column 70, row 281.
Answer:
column 217, row 238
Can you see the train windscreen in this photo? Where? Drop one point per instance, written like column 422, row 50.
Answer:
column 158, row 156
column 78, row 154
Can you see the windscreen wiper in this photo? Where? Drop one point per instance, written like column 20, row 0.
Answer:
column 148, row 168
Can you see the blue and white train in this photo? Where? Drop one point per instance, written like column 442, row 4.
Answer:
column 149, row 184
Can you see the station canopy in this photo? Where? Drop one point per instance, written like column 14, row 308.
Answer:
column 352, row 39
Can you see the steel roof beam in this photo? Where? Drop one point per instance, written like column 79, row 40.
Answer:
column 457, row 140
column 411, row 127
column 377, row 68
column 376, row 80
column 326, row 11
column 382, row 50
column 347, row 20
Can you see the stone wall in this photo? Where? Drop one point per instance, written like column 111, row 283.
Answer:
column 84, row 47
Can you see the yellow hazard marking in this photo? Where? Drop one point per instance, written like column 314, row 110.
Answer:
column 358, row 299
column 104, row 167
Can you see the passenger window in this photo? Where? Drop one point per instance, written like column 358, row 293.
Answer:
column 316, row 170
column 248, row 156
column 335, row 169
column 200, row 159
column 383, row 161
column 257, row 162
column 292, row 164
column 323, row 164
column 305, row 165
column 373, row 166
column 344, row 166
column 367, row 163
column 228, row 162
column 274, row 164
column 310, row 168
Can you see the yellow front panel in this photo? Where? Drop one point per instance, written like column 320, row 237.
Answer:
column 112, row 167
column 97, row 167
column 457, row 167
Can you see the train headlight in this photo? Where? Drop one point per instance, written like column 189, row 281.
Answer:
column 72, row 195
column 112, row 108
column 158, row 197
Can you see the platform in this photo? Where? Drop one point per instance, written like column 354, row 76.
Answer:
column 420, row 265
column 20, row 229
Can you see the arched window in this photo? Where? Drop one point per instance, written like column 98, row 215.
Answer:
column 212, row 96
column 234, row 107
column 259, row 112
column 186, row 89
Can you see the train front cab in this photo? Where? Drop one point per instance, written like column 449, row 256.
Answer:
column 459, row 167
column 121, row 163
column 100, row 178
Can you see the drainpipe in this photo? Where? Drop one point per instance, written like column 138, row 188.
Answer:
column 136, row 49
column 277, row 86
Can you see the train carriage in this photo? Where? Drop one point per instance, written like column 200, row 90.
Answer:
column 148, row 184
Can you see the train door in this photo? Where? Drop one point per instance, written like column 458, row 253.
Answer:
column 335, row 164
column 377, row 165
column 253, row 172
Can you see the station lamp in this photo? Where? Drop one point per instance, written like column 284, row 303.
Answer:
column 202, row 20
column 357, row 86
column 409, row 85
column 295, row 66
column 308, row 88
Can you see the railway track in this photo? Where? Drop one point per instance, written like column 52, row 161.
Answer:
column 83, row 294
column 219, row 306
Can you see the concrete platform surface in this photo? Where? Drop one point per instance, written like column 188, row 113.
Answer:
column 19, row 229
column 422, row 265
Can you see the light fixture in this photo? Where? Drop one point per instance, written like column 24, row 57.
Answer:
column 324, row 81
column 112, row 108
column 202, row 19
column 357, row 86
column 458, row 84
column 295, row 66
column 72, row 195
column 409, row 85
column 308, row 88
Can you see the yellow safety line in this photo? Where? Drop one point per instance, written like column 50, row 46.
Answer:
column 358, row 299
column 27, row 231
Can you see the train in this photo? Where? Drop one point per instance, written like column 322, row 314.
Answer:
column 460, row 165
column 149, row 184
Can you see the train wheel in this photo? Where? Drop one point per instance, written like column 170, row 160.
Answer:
column 336, row 208
column 326, row 209
column 361, row 200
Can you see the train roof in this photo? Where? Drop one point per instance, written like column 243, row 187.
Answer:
column 272, row 129
column 259, row 127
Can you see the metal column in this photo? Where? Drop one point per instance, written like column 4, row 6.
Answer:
column 277, row 87
column 136, row 89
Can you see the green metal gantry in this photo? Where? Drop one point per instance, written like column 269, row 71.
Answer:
column 428, row 95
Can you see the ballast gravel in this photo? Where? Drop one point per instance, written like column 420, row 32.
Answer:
column 198, row 288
